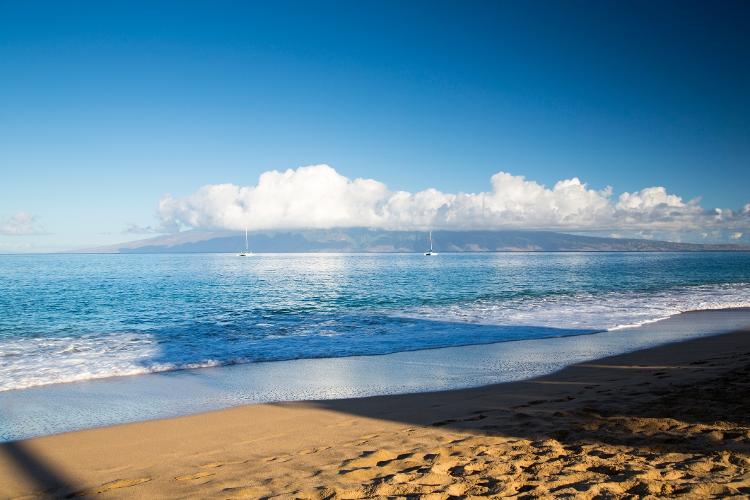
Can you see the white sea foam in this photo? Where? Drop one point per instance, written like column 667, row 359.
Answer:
column 28, row 362
column 590, row 311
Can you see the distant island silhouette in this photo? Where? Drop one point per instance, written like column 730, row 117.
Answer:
column 382, row 241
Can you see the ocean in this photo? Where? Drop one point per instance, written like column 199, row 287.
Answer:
column 66, row 318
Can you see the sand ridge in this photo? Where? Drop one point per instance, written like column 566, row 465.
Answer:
column 671, row 421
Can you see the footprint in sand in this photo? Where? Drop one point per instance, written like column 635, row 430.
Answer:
column 197, row 475
column 369, row 458
column 245, row 492
column 314, row 450
column 402, row 456
column 212, row 465
column 441, row 423
column 122, row 483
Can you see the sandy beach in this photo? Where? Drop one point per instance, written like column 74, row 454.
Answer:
column 671, row 420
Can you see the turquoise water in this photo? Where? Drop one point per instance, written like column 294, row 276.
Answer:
column 65, row 318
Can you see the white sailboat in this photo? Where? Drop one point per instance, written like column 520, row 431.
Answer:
column 430, row 252
column 247, row 252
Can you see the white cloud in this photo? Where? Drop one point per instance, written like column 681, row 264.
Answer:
column 20, row 224
column 315, row 196
column 319, row 197
column 736, row 235
column 136, row 229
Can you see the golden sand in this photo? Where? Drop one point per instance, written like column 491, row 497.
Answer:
column 668, row 421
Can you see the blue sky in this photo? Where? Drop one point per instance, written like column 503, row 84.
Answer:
column 107, row 106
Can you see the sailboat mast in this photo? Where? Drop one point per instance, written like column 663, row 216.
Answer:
column 246, row 247
column 430, row 241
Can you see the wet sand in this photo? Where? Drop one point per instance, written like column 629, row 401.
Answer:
column 672, row 420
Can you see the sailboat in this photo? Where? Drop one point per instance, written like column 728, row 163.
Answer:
column 247, row 252
column 430, row 252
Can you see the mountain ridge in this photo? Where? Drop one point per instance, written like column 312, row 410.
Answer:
column 362, row 240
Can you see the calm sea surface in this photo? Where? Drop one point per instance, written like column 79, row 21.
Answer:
column 74, row 317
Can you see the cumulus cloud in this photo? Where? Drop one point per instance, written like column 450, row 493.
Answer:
column 20, row 224
column 318, row 196
column 736, row 235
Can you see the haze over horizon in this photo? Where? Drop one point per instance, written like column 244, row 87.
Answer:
column 124, row 120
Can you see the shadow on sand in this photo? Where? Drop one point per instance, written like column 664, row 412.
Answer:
column 48, row 480
column 698, row 406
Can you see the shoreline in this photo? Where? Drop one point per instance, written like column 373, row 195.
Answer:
column 664, row 420
column 52, row 409
column 230, row 364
